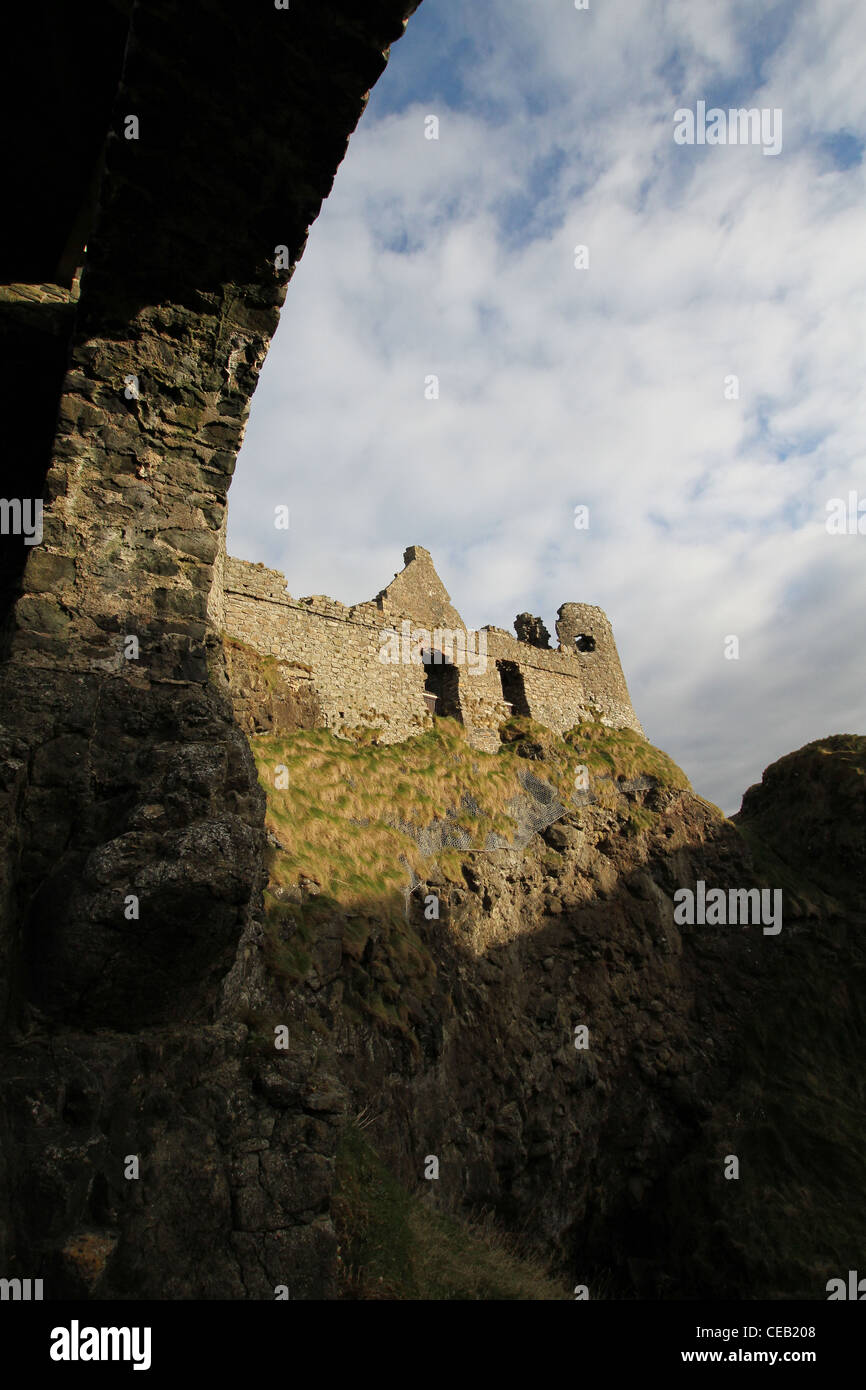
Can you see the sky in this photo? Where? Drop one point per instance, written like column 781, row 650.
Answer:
column 695, row 377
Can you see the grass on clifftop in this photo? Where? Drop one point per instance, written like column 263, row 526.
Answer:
column 345, row 815
column 621, row 754
column 338, row 808
column 396, row 1245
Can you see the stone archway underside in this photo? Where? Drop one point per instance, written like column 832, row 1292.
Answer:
column 128, row 776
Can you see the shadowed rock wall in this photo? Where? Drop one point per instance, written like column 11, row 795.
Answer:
column 132, row 836
column 179, row 298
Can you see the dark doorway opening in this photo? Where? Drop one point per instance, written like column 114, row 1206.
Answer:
column 513, row 687
column 442, row 680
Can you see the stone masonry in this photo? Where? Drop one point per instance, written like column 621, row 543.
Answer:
column 396, row 661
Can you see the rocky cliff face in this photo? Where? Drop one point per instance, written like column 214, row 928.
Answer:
column 450, row 1038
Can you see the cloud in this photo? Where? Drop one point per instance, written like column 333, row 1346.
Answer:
column 605, row 386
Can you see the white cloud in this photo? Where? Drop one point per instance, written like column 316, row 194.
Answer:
column 605, row 386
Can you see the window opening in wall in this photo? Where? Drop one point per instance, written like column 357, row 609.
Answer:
column 513, row 686
column 584, row 643
column 442, row 682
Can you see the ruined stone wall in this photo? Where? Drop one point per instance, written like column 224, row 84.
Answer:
column 418, row 590
column 342, row 647
column 567, row 686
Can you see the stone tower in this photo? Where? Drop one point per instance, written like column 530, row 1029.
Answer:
column 586, row 636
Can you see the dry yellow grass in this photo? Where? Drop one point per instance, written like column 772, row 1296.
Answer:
column 337, row 807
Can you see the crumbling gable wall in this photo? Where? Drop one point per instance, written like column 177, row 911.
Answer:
column 418, row 590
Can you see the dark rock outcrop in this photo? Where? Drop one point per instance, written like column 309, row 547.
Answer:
column 810, row 809
column 532, row 631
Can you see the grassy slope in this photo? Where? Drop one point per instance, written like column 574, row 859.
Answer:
column 330, row 810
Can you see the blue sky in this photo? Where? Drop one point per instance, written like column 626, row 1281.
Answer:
column 606, row 386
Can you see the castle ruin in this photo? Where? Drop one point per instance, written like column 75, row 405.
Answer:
column 405, row 657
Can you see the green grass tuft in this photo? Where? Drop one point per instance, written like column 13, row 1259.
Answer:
column 394, row 1245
